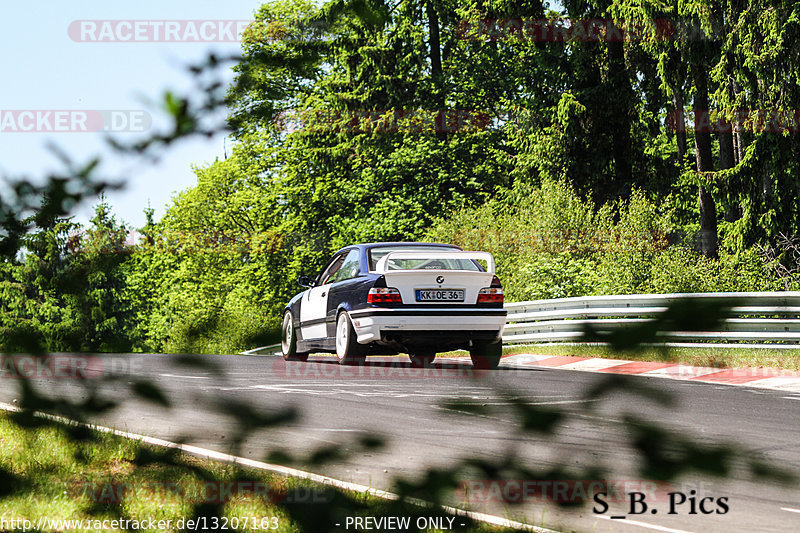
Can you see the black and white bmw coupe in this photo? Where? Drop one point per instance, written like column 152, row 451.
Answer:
column 388, row 298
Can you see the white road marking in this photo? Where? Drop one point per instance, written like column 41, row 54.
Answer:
column 645, row 525
column 790, row 509
column 594, row 364
column 286, row 471
column 371, row 385
column 791, row 397
column 788, row 384
column 522, row 358
column 330, row 389
column 182, row 377
column 338, row 430
column 474, row 395
column 681, row 372
column 289, row 389
column 560, row 402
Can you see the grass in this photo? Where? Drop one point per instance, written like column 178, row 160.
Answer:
column 49, row 471
column 700, row 356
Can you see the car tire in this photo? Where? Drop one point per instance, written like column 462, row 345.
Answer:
column 348, row 351
column 421, row 359
column 289, row 340
column 486, row 355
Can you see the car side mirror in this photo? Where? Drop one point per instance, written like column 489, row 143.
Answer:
column 306, row 281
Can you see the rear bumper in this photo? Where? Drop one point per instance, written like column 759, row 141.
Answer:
column 424, row 325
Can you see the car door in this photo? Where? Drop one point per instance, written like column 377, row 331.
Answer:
column 341, row 288
column 314, row 305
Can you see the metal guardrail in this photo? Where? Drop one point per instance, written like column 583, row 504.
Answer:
column 272, row 349
column 764, row 317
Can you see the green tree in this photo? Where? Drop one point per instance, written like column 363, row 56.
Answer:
column 371, row 147
column 65, row 289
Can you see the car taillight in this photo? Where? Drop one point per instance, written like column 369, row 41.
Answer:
column 381, row 295
column 491, row 295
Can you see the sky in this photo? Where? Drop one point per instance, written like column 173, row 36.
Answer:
column 51, row 67
column 59, row 58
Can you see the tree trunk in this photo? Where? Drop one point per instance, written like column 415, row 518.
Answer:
column 727, row 159
column 620, row 98
column 740, row 139
column 434, row 42
column 709, row 243
column 680, row 124
column 725, row 137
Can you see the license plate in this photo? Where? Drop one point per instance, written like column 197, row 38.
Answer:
column 440, row 295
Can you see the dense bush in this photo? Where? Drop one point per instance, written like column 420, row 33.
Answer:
column 550, row 243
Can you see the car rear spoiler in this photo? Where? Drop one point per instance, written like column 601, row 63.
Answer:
column 380, row 268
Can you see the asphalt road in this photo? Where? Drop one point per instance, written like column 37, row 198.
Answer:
column 339, row 406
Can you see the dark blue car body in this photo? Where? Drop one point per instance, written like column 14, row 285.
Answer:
column 316, row 331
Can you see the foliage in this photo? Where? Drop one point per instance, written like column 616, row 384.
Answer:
column 66, row 290
column 572, row 181
column 553, row 244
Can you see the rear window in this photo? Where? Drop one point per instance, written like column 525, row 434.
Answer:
column 433, row 263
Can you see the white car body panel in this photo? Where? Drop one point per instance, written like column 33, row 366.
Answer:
column 410, row 280
column 457, row 316
column 369, row 328
column 383, row 266
column 314, row 307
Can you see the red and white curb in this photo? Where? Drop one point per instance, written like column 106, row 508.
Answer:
column 765, row 378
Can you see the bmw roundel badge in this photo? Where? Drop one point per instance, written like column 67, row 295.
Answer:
column 439, row 279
